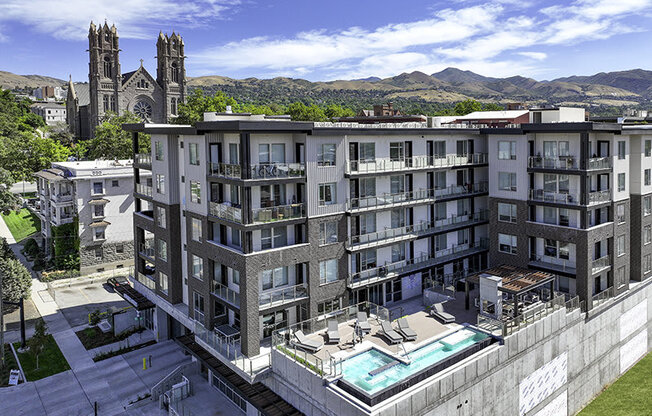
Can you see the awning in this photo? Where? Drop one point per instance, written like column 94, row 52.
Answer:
column 134, row 297
column 99, row 224
column 516, row 280
column 100, row 201
column 48, row 176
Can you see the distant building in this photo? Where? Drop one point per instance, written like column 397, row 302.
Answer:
column 50, row 93
column 492, row 118
column 52, row 113
column 99, row 195
column 384, row 113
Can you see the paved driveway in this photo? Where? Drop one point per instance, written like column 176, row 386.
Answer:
column 78, row 300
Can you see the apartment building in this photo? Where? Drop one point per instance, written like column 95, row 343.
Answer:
column 52, row 113
column 96, row 196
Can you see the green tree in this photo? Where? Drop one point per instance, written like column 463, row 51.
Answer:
column 8, row 201
column 333, row 111
column 492, row 107
column 467, row 106
column 301, row 112
column 197, row 104
column 112, row 142
column 27, row 152
column 62, row 134
column 16, row 279
column 38, row 341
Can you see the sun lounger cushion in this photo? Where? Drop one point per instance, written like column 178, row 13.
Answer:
column 392, row 336
column 405, row 330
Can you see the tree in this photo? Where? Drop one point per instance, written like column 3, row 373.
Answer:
column 62, row 134
column 27, row 152
column 197, row 104
column 38, row 341
column 8, row 201
column 467, row 106
column 301, row 112
column 112, row 142
column 333, row 111
column 16, row 280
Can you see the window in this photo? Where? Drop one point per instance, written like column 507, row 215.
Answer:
column 162, row 250
column 564, row 149
column 397, row 184
column 506, row 212
column 275, row 278
column 439, row 149
column 507, row 243
column 163, row 282
column 327, row 232
column 198, row 306
column 507, row 150
column 563, row 217
column 550, row 215
column 396, row 151
column 273, row 238
column 193, row 153
column 328, row 307
column 197, row 267
column 398, row 217
column 647, row 177
column 367, row 223
column 99, row 234
column 398, row 252
column 367, row 152
column 105, row 102
column 160, row 184
column 98, row 188
column 235, row 237
column 275, row 155
column 160, row 217
column 115, row 183
column 195, row 229
column 647, row 263
column 620, row 245
column 621, row 150
column 621, row 182
column 549, row 182
column 550, row 248
column 158, row 147
column 106, row 66
column 620, row 213
column 235, row 276
column 647, row 234
column 620, row 277
column 647, row 205
column 648, row 148
column 174, row 72
column 507, row 181
column 98, row 210
column 173, row 106
column 368, row 259
column 327, row 195
column 564, row 250
column 326, row 155
column 327, row 271
column 195, row 192
column 234, row 154
column 119, row 248
column 367, row 187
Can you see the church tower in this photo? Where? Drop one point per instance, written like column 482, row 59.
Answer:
column 171, row 72
column 103, row 72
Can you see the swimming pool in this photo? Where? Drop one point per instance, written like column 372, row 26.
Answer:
column 374, row 371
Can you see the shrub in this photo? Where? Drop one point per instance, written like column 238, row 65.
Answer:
column 17, row 280
column 95, row 317
column 31, row 248
column 58, row 275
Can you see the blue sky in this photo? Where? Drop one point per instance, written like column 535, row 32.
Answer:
column 326, row 40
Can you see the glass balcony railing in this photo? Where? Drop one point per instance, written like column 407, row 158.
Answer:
column 144, row 159
column 556, row 197
column 598, row 197
column 147, row 280
column 225, row 170
column 389, row 270
column 147, row 249
column 600, row 264
column 554, row 263
column 278, row 213
column 225, row 211
column 415, row 162
column 424, row 227
column 561, row 163
column 144, row 189
column 225, row 293
column 280, row 296
column 598, row 163
column 261, row 171
column 420, row 195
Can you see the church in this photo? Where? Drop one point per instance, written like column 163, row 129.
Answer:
column 110, row 90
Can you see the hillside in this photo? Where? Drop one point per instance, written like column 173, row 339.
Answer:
column 13, row 81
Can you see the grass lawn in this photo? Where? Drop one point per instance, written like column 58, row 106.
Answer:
column 11, row 365
column 51, row 361
column 630, row 395
column 22, row 224
column 93, row 337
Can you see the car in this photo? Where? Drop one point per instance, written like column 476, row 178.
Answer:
column 117, row 281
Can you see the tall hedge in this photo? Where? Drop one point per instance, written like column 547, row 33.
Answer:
column 65, row 245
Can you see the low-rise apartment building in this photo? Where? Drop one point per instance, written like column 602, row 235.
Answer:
column 95, row 199
column 52, row 113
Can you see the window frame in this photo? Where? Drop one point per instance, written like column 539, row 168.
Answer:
column 332, row 200
column 513, row 244
column 327, row 271
column 195, row 192
column 326, row 238
column 193, row 154
column 322, row 161
column 511, row 155
column 512, row 218
column 511, row 176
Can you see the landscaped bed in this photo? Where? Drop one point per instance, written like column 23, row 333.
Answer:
column 51, row 361
column 22, row 224
column 630, row 395
column 93, row 337
column 10, row 365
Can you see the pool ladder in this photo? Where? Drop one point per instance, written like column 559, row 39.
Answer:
column 405, row 353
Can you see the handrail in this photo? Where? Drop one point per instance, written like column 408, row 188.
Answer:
column 598, row 163
column 278, row 213
column 144, row 189
column 602, row 296
column 414, row 162
column 143, row 159
column 225, row 293
column 260, row 171
column 269, row 298
column 600, row 263
column 225, row 211
column 564, row 264
column 558, row 197
column 600, row 196
column 559, row 162
column 527, row 318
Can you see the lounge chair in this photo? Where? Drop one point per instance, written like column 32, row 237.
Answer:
column 307, row 344
column 362, row 322
column 333, row 332
column 438, row 312
column 388, row 331
column 405, row 330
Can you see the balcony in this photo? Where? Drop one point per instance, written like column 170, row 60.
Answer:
column 225, row 211
column 144, row 189
column 262, row 171
column 597, row 163
column 62, row 219
column 414, row 163
column 553, row 263
column 278, row 213
column 225, row 293
column 554, row 197
column 410, row 231
column 600, row 264
column 143, row 159
column 62, row 197
column 559, row 163
column 147, row 280
column 388, row 200
column 147, row 250
column 599, row 197
column 281, row 296
column 390, row 270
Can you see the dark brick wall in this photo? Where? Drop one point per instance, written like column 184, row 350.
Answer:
column 638, row 249
column 518, row 229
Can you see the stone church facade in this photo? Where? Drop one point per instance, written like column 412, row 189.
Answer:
column 155, row 100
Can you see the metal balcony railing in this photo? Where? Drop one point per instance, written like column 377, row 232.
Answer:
column 62, row 197
column 414, row 162
column 261, row 171
column 603, row 296
column 225, row 293
column 280, row 296
column 560, row 163
column 423, row 260
column 598, row 163
column 423, row 227
column 278, row 213
column 600, row 264
column 144, row 189
column 388, row 199
column 556, row 197
column 143, row 159
column 554, row 263
column 598, row 197
column 225, row 211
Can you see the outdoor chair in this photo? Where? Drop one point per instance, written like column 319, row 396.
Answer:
column 405, row 330
column 333, row 331
column 362, row 323
column 438, row 312
column 388, row 331
column 307, row 344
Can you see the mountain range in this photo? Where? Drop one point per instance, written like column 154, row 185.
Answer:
column 623, row 88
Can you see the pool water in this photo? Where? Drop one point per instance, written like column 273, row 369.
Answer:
column 356, row 369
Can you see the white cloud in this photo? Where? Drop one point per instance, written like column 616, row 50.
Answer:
column 539, row 56
column 69, row 19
